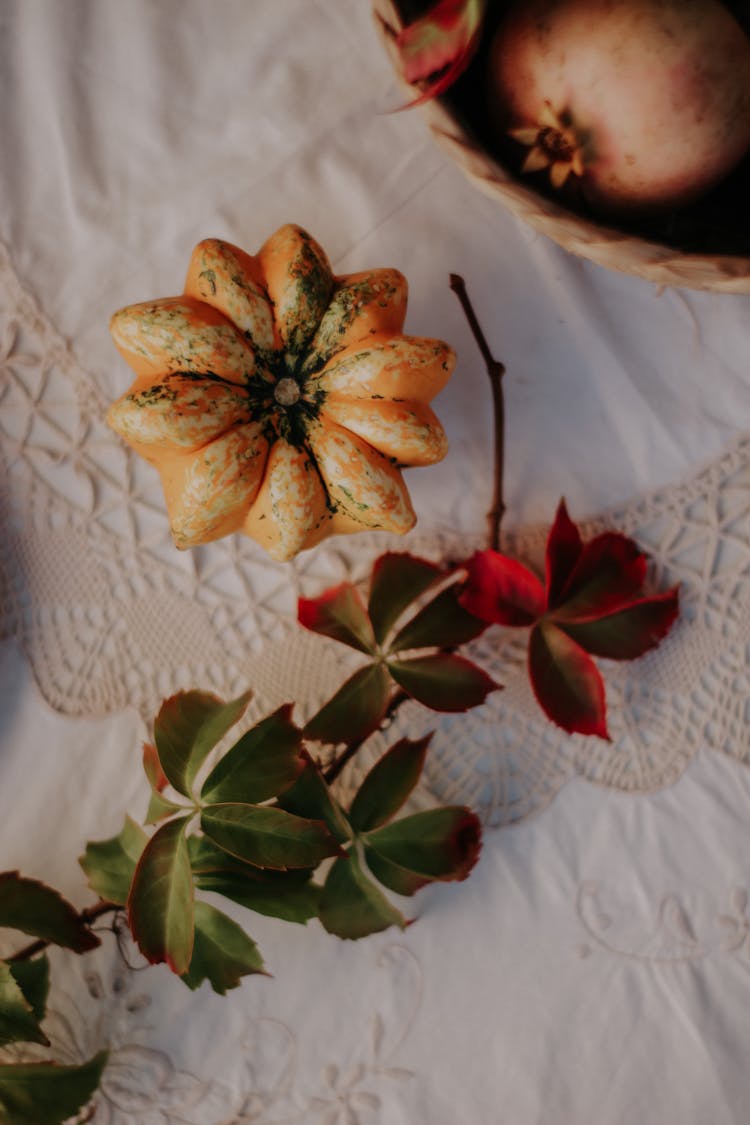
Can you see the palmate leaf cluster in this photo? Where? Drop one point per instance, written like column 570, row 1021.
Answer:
column 260, row 826
column 256, row 831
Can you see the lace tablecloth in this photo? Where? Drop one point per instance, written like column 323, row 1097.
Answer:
column 596, row 963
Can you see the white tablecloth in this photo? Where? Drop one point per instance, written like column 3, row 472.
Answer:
column 596, row 965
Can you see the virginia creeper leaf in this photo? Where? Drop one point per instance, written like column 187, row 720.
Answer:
column 263, row 763
column 564, row 546
column 440, row 45
column 18, row 1021
column 310, row 797
column 293, row 901
column 268, row 837
column 566, row 681
column 339, row 613
column 32, row 978
column 611, row 569
column 628, row 632
column 443, row 681
column 157, row 778
column 352, row 906
column 501, row 591
column 397, row 580
column 47, row 1094
column 280, row 894
column 36, row 909
column 110, row 864
column 442, row 623
column 395, row 878
column 187, row 728
column 356, row 710
column 438, row 844
column 160, row 807
column 388, row 784
column 222, row 953
column 160, row 903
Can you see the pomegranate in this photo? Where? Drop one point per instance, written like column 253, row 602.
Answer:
column 646, row 103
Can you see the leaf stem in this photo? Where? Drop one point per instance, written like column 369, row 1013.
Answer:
column 87, row 916
column 495, row 371
column 332, row 772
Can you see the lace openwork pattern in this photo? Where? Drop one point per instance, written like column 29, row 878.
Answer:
column 111, row 616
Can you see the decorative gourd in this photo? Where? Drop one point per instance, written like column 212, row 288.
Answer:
column 278, row 400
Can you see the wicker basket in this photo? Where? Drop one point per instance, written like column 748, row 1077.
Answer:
column 617, row 249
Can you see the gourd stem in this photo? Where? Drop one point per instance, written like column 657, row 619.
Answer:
column 334, row 769
column 495, row 371
column 87, row 916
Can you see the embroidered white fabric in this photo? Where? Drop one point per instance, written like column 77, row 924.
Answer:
column 111, row 615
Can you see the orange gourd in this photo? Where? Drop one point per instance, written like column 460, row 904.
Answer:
column 278, row 400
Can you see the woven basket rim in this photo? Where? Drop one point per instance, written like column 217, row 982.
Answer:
column 606, row 245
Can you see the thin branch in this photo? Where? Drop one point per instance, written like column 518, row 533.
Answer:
column 495, row 371
column 332, row 772
column 87, row 916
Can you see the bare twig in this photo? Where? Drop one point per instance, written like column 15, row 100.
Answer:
column 495, row 371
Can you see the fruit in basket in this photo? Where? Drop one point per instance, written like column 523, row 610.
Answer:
column 278, row 400
column 644, row 103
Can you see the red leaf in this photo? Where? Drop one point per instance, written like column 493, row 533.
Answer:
column 610, row 572
column 443, row 681
column 339, row 613
column 440, row 45
column 566, row 682
column 501, row 591
column 629, row 632
column 564, row 546
column 397, row 580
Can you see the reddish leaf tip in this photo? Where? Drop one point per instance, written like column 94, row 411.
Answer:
column 467, row 840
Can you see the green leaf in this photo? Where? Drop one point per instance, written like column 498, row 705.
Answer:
column 18, row 1022
column 356, row 710
column 222, row 954
column 187, row 728
column 388, row 784
column 47, row 1094
column 280, row 894
column 110, row 864
column 157, row 778
column 160, row 807
column 268, row 837
column 292, row 901
column 311, row 797
column 442, row 623
column 395, row 878
column 36, row 909
column 443, row 681
column 397, row 580
column 339, row 614
column 32, row 978
column 262, row 764
column 160, row 903
column 352, row 906
column 439, row 844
